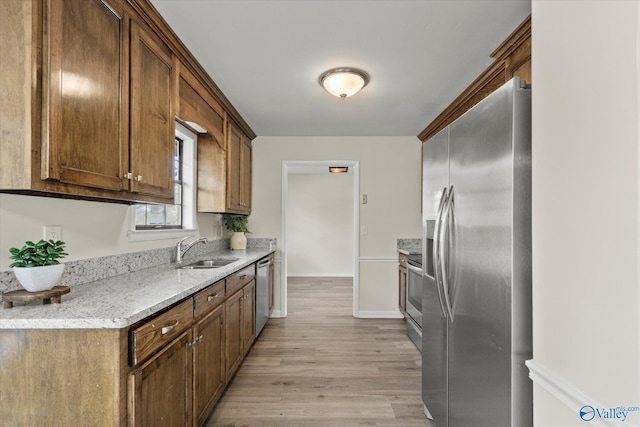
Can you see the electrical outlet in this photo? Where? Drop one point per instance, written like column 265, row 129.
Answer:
column 52, row 232
column 365, row 199
column 364, row 230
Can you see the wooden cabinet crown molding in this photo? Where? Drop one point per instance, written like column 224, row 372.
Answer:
column 511, row 58
column 153, row 18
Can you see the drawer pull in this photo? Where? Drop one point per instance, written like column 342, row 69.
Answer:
column 212, row 297
column 169, row 328
column 244, row 276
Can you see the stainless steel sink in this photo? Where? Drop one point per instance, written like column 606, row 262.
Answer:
column 210, row 263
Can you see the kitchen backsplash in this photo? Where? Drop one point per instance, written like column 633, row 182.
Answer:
column 410, row 245
column 92, row 269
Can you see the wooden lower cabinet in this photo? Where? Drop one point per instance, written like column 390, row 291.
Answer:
column 209, row 373
column 63, row 377
column 240, row 326
column 233, row 333
column 402, row 283
column 248, row 316
column 167, row 370
column 160, row 389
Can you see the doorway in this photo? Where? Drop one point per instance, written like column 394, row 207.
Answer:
column 291, row 168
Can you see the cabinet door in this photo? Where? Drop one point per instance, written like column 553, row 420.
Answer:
column 153, row 95
column 233, row 332
column 234, row 170
column 248, row 316
column 402, row 289
column 209, row 367
column 160, row 390
column 271, row 284
column 245, row 183
column 86, row 94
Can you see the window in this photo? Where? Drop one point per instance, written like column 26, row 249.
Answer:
column 158, row 217
column 158, row 221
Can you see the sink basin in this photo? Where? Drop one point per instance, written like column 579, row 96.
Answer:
column 210, row 263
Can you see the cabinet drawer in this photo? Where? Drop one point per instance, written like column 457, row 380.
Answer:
column 239, row 279
column 155, row 333
column 209, row 298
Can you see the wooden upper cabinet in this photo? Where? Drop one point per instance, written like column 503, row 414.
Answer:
column 197, row 105
column 511, row 59
column 246, row 167
column 109, row 94
column 153, row 95
column 238, row 171
column 95, row 86
column 87, row 82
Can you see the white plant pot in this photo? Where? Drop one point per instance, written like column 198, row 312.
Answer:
column 35, row 279
column 238, row 241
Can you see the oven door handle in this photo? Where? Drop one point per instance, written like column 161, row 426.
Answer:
column 415, row 269
column 436, row 248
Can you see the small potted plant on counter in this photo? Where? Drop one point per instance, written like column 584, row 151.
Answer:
column 37, row 265
column 237, row 224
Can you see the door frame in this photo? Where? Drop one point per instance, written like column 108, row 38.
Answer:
column 290, row 167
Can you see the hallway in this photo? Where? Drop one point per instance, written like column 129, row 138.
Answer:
column 321, row 367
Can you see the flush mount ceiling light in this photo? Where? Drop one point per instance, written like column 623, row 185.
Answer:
column 344, row 82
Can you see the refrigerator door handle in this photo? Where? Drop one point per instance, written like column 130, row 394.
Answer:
column 442, row 240
column 436, row 246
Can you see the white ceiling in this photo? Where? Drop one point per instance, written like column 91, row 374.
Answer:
column 266, row 56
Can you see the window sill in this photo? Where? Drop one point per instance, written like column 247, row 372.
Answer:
column 146, row 235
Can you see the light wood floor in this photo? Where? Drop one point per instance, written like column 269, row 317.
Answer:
column 321, row 367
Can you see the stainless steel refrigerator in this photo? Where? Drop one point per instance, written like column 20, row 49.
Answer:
column 476, row 332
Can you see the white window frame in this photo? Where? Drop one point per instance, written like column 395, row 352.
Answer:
column 189, row 223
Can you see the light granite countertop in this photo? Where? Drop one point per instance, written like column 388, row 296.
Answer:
column 122, row 300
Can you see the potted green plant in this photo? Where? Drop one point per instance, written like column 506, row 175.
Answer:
column 37, row 265
column 238, row 225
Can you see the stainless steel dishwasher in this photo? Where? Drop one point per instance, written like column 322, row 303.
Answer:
column 262, row 293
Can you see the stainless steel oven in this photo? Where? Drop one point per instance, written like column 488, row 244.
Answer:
column 414, row 300
column 419, row 273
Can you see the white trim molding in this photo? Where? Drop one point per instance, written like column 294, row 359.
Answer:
column 380, row 315
column 307, row 166
column 321, row 275
column 371, row 259
column 574, row 398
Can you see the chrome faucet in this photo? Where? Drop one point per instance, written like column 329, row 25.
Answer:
column 180, row 253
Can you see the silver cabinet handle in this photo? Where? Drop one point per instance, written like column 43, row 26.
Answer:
column 138, row 178
column 169, row 328
column 195, row 342
column 212, row 297
column 128, row 175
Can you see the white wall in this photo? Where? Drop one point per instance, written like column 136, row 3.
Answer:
column 320, row 225
column 389, row 174
column 585, row 205
column 90, row 229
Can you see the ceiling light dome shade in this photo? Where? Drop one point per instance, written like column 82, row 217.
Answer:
column 344, row 82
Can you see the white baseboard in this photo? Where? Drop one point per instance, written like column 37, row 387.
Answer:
column 321, row 275
column 574, row 398
column 380, row 315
